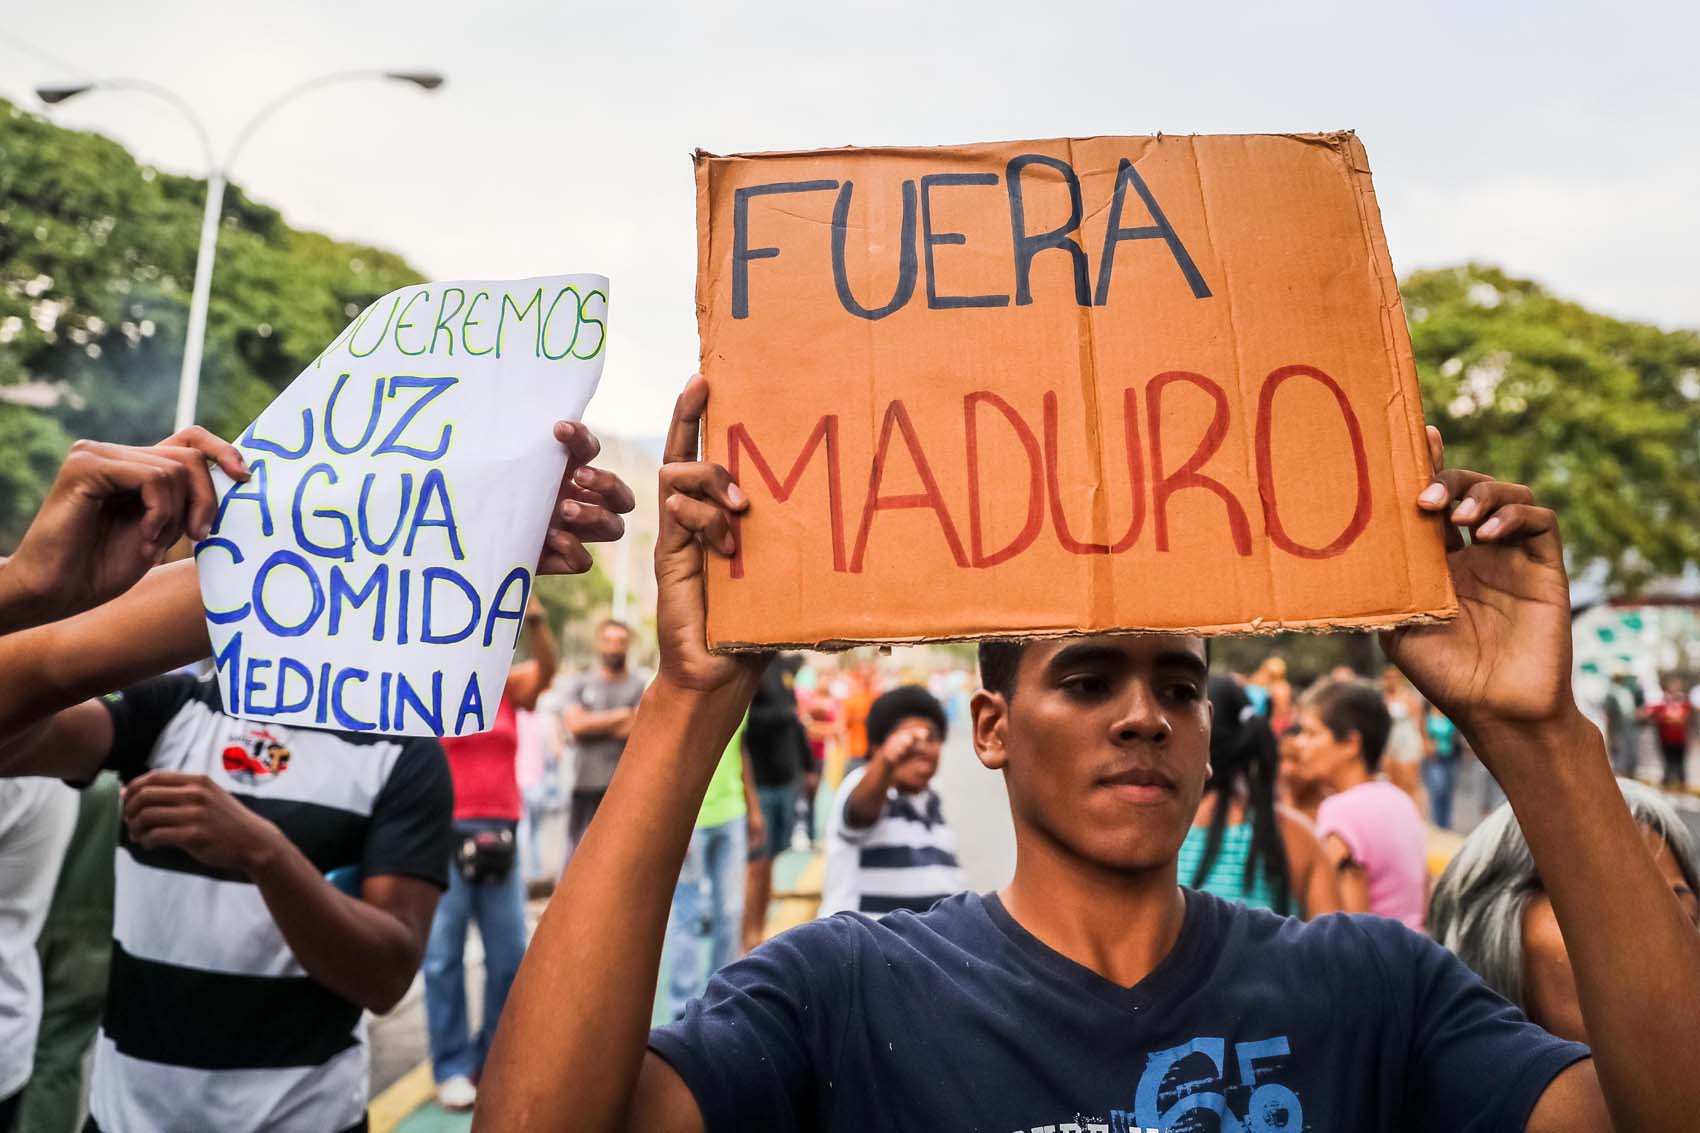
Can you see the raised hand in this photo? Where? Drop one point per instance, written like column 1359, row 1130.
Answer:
column 588, row 506
column 698, row 500
column 1506, row 658
column 111, row 515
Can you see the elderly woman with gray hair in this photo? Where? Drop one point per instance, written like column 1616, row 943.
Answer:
column 1492, row 911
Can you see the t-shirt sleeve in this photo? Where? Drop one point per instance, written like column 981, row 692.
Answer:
column 754, row 1048
column 634, row 695
column 1477, row 1064
column 411, row 833
column 1341, row 816
column 838, row 824
column 139, row 714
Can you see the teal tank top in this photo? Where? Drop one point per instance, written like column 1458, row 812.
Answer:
column 1226, row 878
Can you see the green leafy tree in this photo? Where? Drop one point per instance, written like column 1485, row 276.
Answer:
column 97, row 257
column 574, row 605
column 31, row 447
column 1601, row 417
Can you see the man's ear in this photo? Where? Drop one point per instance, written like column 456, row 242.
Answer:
column 991, row 728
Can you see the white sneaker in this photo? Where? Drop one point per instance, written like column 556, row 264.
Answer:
column 458, row 1093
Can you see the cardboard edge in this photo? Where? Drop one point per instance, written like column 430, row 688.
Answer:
column 1396, row 340
column 1258, row 628
column 1332, row 139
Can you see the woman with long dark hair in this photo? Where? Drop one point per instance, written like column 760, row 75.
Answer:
column 1243, row 846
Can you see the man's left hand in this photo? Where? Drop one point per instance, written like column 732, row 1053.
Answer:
column 1505, row 659
column 193, row 814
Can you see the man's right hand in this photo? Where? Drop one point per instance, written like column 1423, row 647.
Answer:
column 898, row 748
column 112, row 513
column 698, row 502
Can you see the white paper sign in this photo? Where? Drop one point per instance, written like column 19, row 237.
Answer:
column 373, row 573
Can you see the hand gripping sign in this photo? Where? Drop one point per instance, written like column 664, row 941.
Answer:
column 373, row 573
column 1060, row 386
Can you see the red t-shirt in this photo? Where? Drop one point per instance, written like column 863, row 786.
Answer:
column 482, row 767
column 1671, row 715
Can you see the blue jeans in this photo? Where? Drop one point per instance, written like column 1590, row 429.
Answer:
column 779, row 815
column 715, row 863
column 499, row 910
column 1440, row 779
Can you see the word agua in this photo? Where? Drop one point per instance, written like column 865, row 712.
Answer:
column 1166, row 477
column 434, row 605
column 1024, row 245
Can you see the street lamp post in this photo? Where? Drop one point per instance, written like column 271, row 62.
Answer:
column 189, row 380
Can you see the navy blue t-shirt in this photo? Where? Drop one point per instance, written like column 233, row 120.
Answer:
column 959, row 1020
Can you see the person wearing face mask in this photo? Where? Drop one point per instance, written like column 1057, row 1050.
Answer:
column 1492, row 910
column 888, row 844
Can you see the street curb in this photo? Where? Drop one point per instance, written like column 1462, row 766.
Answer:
column 390, row 1108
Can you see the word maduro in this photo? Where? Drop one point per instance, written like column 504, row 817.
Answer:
column 1147, row 459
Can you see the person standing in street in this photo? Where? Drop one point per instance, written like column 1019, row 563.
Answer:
column 76, row 952
column 708, row 898
column 485, row 884
column 1440, row 766
column 272, row 884
column 888, row 844
column 36, row 818
column 598, row 714
column 1673, row 722
column 777, row 746
column 1408, row 744
column 1623, row 722
column 1092, row 990
column 1244, row 845
column 1370, row 830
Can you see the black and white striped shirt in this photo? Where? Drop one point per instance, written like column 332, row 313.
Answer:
column 211, row 1022
column 905, row 860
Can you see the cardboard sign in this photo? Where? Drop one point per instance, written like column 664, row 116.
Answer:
column 373, row 573
column 1060, row 386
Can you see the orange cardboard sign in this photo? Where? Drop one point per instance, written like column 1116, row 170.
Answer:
column 1060, row 386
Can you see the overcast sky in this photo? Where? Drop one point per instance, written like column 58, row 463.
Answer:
column 1559, row 140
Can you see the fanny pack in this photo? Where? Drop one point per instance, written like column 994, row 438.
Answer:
column 484, row 856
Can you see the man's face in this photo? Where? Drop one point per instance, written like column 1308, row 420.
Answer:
column 1319, row 752
column 1103, row 745
column 612, row 643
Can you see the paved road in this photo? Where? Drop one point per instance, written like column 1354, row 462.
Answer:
column 977, row 807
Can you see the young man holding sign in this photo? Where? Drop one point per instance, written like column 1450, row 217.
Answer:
column 1092, row 993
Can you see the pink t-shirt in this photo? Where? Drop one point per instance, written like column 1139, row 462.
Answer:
column 1380, row 825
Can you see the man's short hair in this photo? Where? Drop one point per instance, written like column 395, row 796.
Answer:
column 1353, row 706
column 999, row 661
column 613, row 623
column 905, row 702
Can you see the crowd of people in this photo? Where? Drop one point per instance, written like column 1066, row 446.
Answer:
column 243, row 893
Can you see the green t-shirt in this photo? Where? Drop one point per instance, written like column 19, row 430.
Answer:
column 725, row 798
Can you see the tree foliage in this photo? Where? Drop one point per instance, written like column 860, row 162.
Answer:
column 1601, row 417
column 97, row 258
